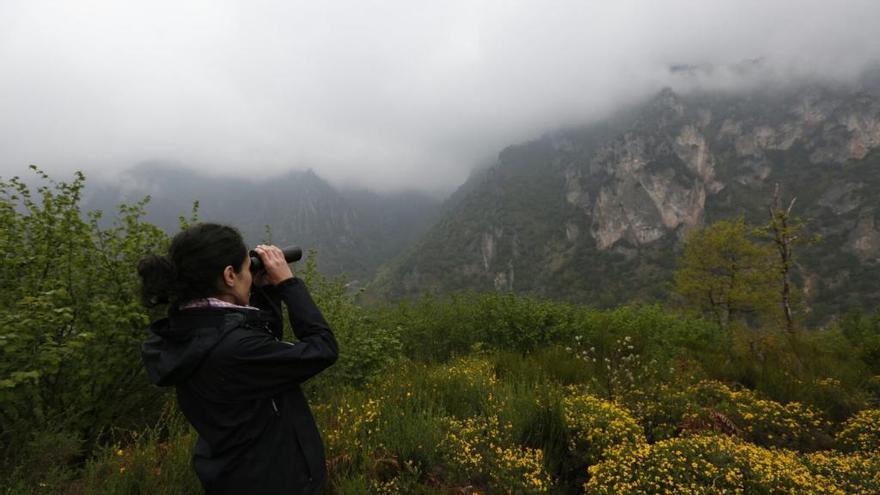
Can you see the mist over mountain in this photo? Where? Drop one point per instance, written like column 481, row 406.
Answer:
column 596, row 214
column 593, row 213
column 393, row 95
column 353, row 230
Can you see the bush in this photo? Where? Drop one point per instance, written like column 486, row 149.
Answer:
column 157, row 461
column 384, row 437
column 70, row 318
column 855, row 474
column 360, row 429
column 439, row 328
column 863, row 332
column 818, row 367
column 595, row 426
column 481, row 450
column 464, row 386
column 45, row 464
column 714, row 406
column 703, row 464
column 367, row 346
column 861, row 432
column 534, row 412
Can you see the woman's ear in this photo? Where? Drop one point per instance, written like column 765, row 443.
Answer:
column 229, row 276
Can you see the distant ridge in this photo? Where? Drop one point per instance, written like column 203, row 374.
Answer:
column 352, row 230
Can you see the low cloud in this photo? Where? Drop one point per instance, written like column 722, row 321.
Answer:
column 388, row 95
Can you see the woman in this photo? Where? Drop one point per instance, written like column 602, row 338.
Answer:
column 237, row 382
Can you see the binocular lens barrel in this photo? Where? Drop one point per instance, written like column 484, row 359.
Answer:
column 291, row 254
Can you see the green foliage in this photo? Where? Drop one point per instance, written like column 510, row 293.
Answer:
column 470, row 392
column 850, row 473
column 821, row 367
column 703, row 464
column 368, row 346
column 596, row 426
column 717, row 407
column 435, row 328
column 464, row 385
column 861, row 432
column 70, row 319
column 506, row 422
column 480, row 450
column 462, row 423
column 439, row 328
column 45, row 464
column 726, row 274
column 863, row 332
column 156, row 460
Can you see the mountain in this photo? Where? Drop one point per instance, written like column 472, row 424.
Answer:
column 353, row 230
column 597, row 214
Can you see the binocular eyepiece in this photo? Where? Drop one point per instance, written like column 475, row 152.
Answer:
column 291, row 254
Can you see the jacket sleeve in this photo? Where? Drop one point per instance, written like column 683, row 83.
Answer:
column 268, row 299
column 259, row 366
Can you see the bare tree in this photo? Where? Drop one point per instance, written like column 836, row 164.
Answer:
column 784, row 232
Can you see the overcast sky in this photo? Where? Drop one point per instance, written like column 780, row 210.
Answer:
column 388, row 95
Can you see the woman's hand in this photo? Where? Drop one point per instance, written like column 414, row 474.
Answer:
column 276, row 268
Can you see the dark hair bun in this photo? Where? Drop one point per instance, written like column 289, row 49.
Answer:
column 158, row 278
column 193, row 266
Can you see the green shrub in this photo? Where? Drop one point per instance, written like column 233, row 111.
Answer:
column 481, row 451
column 158, row 461
column 464, row 386
column 703, row 464
column 438, row 328
column 559, row 365
column 861, row 432
column 367, row 346
column 818, row 367
column 714, row 406
column 596, row 426
column 535, row 414
column 45, row 464
column 70, row 318
column 390, row 430
column 854, row 474
column 863, row 332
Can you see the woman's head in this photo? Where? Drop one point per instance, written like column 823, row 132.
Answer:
column 204, row 260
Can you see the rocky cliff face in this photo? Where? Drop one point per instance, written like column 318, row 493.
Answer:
column 605, row 207
column 641, row 200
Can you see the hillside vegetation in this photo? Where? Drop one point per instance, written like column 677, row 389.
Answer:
column 580, row 213
column 460, row 393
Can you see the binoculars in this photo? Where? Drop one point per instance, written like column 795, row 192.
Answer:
column 291, row 254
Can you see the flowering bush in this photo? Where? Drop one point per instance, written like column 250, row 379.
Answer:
column 480, row 450
column 854, row 474
column 618, row 370
column 861, row 432
column 392, row 430
column 464, row 385
column 596, row 425
column 349, row 425
column 714, row 406
column 704, row 464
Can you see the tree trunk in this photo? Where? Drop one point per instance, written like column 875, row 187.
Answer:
column 783, row 237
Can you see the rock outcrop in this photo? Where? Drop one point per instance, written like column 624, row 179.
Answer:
column 602, row 209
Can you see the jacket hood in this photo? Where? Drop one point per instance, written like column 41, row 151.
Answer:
column 177, row 345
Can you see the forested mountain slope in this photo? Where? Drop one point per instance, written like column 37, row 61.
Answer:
column 352, row 230
column 597, row 214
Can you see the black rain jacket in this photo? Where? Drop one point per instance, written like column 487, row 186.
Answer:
column 239, row 386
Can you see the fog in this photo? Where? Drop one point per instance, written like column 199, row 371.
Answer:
column 386, row 95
